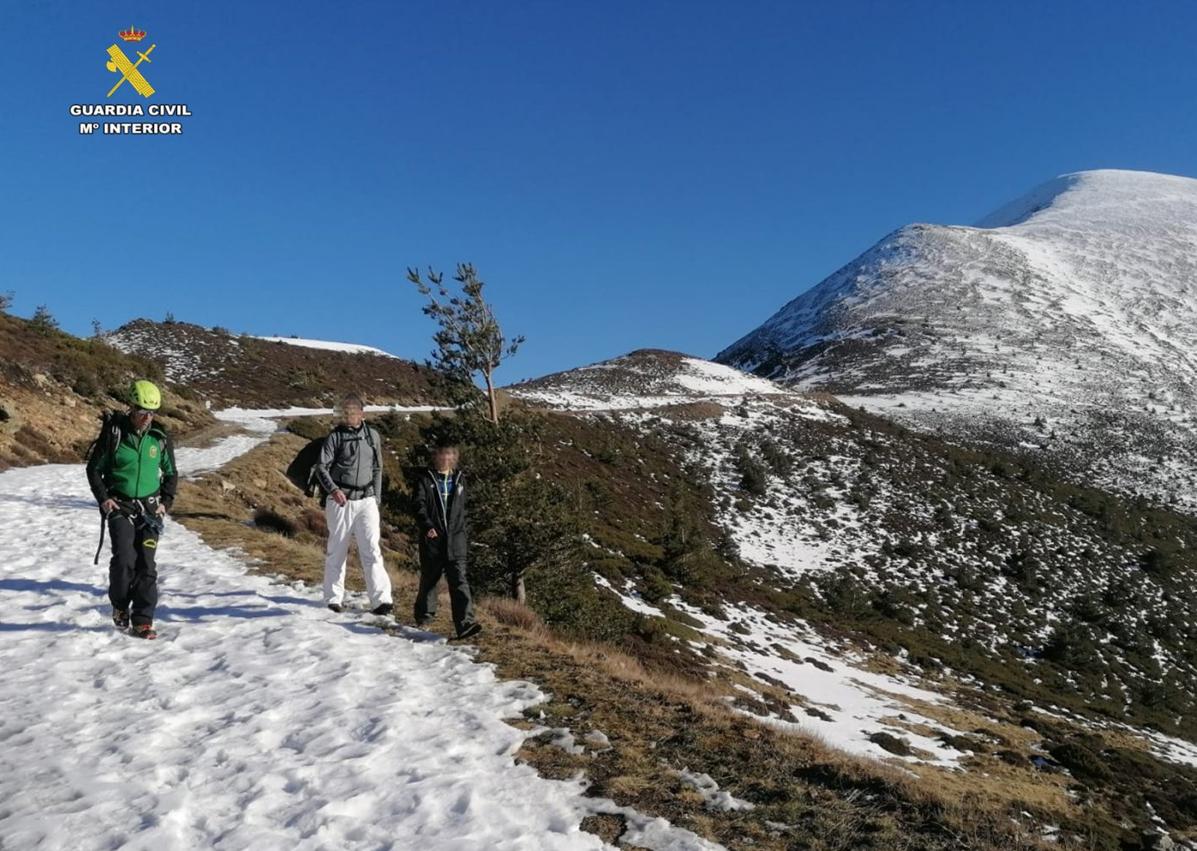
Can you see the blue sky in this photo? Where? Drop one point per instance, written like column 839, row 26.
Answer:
column 624, row 174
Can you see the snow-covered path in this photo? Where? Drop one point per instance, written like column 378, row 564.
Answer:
column 258, row 720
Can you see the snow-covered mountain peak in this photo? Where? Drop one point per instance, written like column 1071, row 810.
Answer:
column 1066, row 323
column 1105, row 199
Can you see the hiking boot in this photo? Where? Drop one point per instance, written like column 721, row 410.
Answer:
column 336, row 607
column 469, row 630
column 383, row 609
column 144, row 630
column 120, row 618
column 424, row 621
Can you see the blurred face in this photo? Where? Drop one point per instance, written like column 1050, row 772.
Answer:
column 353, row 415
column 141, row 418
column 445, row 459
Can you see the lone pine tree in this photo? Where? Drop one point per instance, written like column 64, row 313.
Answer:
column 469, row 341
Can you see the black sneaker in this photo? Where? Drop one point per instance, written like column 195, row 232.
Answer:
column 469, row 630
column 120, row 618
column 383, row 609
column 424, row 621
column 336, row 607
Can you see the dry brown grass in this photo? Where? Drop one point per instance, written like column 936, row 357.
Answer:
column 512, row 613
column 975, row 806
column 659, row 722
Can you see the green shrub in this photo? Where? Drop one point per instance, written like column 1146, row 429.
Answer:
column 655, row 587
column 1081, row 761
column 1157, row 562
column 754, row 476
column 43, row 320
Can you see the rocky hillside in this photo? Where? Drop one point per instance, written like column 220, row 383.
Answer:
column 53, row 387
column 898, row 595
column 255, row 372
column 1061, row 326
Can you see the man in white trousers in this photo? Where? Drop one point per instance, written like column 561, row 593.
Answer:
column 350, row 472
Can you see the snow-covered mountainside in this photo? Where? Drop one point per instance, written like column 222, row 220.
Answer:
column 645, row 378
column 259, row 372
column 1064, row 325
column 989, row 586
column 259, row 719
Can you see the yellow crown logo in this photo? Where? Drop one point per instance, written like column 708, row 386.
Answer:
column 132, row 34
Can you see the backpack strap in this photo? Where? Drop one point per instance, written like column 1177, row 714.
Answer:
column 108, row 438
column 373, row 448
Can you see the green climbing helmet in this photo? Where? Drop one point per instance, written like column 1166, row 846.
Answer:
column 143, row 394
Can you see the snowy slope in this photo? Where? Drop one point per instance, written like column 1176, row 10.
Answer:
column 835, row 696
column 645, row 378
column 1063, row 324
column 259, row 720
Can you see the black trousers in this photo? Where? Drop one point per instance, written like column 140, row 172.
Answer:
column 432, row 568
column 132, row 573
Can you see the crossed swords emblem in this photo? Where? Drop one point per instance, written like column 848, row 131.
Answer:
column 128, row 70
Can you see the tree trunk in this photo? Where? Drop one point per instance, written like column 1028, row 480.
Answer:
column 517, row 589
column 491, row 398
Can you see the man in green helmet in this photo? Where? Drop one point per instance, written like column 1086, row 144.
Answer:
column 132, row 473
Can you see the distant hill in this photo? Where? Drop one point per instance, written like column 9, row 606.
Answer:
column 240, row 370
column 644, row 378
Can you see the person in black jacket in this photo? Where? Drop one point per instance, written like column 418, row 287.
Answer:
column 441, row 513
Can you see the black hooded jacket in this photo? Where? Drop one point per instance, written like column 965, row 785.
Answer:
column 449, row 521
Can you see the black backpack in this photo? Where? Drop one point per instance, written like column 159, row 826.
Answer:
column 108, row 438
column 302, row 469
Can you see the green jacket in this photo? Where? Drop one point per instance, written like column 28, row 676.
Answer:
column 125, row 464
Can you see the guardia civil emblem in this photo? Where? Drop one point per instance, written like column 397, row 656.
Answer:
column 119, row 63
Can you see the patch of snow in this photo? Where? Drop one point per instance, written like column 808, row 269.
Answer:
column 849, row 703
column 630, row 597
column 564, row 739
column 715, row 798
column 597, row 739
column 707, row 378
column 328, row 345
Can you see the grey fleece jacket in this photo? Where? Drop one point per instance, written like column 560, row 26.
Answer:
column 348, row 463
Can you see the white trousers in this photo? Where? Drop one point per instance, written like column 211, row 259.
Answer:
column 356, row 519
